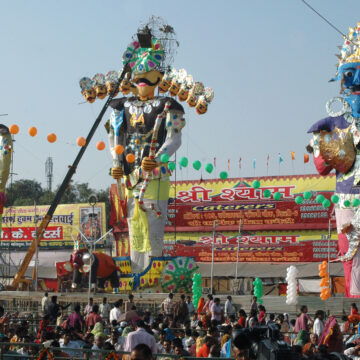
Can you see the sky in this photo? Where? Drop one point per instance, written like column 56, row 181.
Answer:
column 268, row 62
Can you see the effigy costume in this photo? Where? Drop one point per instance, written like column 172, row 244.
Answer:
column 336, row 145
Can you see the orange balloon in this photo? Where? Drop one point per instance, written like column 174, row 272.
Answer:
column 51, row 138
column 32, row 131
column 81, row 141
column 100, row 145
column 130, row 158
column 14, row 129
column 119, row 149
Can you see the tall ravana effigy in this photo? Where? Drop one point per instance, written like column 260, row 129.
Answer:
column 336, row 145
column 145, row 130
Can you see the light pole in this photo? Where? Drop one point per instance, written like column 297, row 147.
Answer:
column 238, row 250
column 92, row 202
column 212, row 255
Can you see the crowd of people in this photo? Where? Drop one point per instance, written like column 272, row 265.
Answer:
column 178, row 329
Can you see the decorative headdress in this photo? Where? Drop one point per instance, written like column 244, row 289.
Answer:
column 98, row 79
column 112, row 76
column 79, row 243
column 85, row 83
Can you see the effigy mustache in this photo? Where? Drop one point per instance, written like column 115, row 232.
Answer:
column 147, row 82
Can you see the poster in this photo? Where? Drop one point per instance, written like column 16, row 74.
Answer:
column 19, row 225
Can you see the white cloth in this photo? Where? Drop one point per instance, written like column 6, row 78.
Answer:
column 104, row 310
column 69, row 349
column 191, row 308
column 140, row 336
column 351, row 353
column 44, row 304
column 115, row 314
column 318, row 327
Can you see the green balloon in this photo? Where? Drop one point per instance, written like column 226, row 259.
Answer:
column 184, row 162
column 356, row 202
column 172, row 166
column 164, row 158
column 326, row 203
column 347, row 203
column 223, row 175
column 209, row 168
column 197, row 165
column 267, row 193
column 277, row 196
column 299, row 200
column 307, row 195
column 335, row 199
column 256, row 184
column 320, row 198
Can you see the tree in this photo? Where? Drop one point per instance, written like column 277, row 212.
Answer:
column 23, row 192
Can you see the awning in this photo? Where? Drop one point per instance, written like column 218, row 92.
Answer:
column 266, row 270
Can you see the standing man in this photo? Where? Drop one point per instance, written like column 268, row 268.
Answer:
column 45, row 303
column 229, row 308
column 130, row 303
column 216, row 311
column 191, row 307
column 181, row 311
column 167, row 307
column 105, row 310
column 89, row 307
column 94, row 317
column 254, row 305
column 115, row 313
column 140, row 336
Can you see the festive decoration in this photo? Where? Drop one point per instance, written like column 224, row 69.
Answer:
column 80, row 141
column 196, row 289
column 32, row 131
column 164, row 158
column 51, row 138
column 258, row 290
column 291, row 290
column 177, row 274
column 87, row 89
column 267, row 193
column 299, row 200
column 100, row 145
column 326, row 203
column 209, row 168
column 197, row 165
column 256, row 184
column 172, row 166
column 320, row 198
column 325, row 281
column 130, row 158
column 223, row 175
column 355, row 202
column 307, row 195
column 99, row 86
column 335, row 145
column 184, row 162
column 14, row 129
column 277, row 196
column 119, row 149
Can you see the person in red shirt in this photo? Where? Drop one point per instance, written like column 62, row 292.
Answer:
column 242, row 318
column 204, row 351
column 94, row 317
column 354, row 309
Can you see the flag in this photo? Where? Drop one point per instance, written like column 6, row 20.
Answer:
column 214, row 162
column 280, row 159
column 228, row 164
column 254, row 163
column 267, row 160
column 240, row 163
column 292, row 155
column 306, row 158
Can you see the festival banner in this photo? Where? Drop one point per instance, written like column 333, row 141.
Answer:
column 19, row 225
column 269, row 246
column 199, row 204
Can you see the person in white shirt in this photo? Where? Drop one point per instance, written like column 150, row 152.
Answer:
column 229, row 308
column 191, row 307
column 353, row 352
column 45, row 303
column 104, row 310
column 115, row 313
column 318, row 326
column 89, row 307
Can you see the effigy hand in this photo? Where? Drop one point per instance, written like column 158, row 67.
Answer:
column 117, row 172
column 148, row 164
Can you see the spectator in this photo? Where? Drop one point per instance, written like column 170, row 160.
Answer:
column 242, row 318
column 140, row 336
column 104, row 310
column 99, row 344
column 207, row 307
column 141, row 352
column 216, row 312
column 89, row 307
column 262, row 315
column 181, row 311
column 129, row 303
column 354, row 309
column 252, row 320
column 45, row 303
column 318, row 326
column 191, row 307
column 229, row 308
column 303, row 321
column 254, row 305
column 302, row 338
column 205, row 349
column 93, row 317
column 311, row 348
column 168, row 307
column 167, row 347
column 54, row 309
column 75, row 319
column 271, row 319
column 114, row 340
column 115, row 313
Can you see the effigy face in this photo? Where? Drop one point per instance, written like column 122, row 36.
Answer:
column 101, row 91
column 89, row 95
column 110, row 87
column 146, row 83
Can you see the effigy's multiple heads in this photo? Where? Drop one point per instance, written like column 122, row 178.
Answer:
column 148, row 71
column 349, row 69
